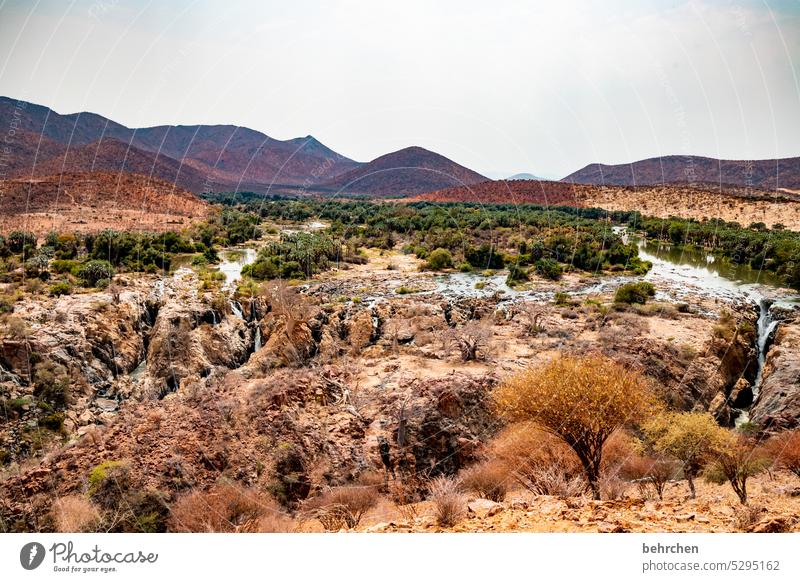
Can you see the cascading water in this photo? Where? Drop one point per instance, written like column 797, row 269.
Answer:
column 236, row 309
column 257, row 344
column 765, row 330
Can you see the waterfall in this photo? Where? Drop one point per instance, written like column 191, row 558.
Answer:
column 257, row 345
column 236, row 309
column 7, row 375
column 765, row 330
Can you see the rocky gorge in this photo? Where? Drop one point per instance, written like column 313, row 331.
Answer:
column 293, row 389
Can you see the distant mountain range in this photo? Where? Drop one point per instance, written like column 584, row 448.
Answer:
column 201, row 158
column 694, row 170
column 209, row 157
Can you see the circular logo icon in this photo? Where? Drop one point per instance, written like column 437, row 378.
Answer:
column 31, row 555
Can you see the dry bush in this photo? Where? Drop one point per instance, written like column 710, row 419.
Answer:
column 745, row 517
column 648, row 471
column 226, row 507
column 582, row 400
column 288, row 303
column 612, row 486
column 785, row 449
column 539, row 461
column 488, row 479
column 405, row 493
column 736, row 464
column 342, row 507
column 471, row 340
column 74, row 514
column 552, row 480
column 532, row 317
column 448, row 501
column 617, row 450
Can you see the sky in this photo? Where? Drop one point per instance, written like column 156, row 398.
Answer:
column 501, row 87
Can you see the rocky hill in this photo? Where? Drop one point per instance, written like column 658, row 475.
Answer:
column 93, row 201
column 511, row 192
column 733, row 204
column 409, row 171
column 690, row 170
column 112, row 155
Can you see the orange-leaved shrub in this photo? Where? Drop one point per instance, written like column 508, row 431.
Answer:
column 785, row 449
column 489, row 479
column 227, row 507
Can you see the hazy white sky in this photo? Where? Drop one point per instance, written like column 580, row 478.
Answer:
column 501, row 87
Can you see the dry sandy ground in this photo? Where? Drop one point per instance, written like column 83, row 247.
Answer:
column 89, row 220
column 687, row 203
column 774, row 501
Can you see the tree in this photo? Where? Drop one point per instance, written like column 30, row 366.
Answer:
column 581, row 400
column 690, row 437
column 736, row 464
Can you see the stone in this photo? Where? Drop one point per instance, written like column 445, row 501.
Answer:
column 106, row 404
column 484, row 507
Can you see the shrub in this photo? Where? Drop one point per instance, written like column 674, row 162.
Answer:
column 54, row 422
column 562, row 299
column 226, row 507
column 342, row 507
column 60, row 288
column 51, row 383
column 653, row 471
column 539, row 461
column 736, row 464
column 580, row 400
column 471, row 339
column 74, row 514
column 439, row 259
column 448, row 501
column 611, row 486
column 548, row 269
column 488, row 479
column 634, row 293
column 785, row 449
column 690, row 437
column 20, row 240
column 94, row 271
column 516, row 274
column 109, row 482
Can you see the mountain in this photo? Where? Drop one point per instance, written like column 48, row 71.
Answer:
column 220, row 156
column 112, row 155
column 524, row 176
column 693, row 170
column 93, row 201
column 409, row 171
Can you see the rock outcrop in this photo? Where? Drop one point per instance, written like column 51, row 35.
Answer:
column 778, row 404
